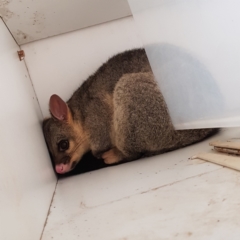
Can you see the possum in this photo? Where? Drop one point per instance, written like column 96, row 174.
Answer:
column 118, row 113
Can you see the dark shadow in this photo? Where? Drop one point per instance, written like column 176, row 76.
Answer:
column 88, row 163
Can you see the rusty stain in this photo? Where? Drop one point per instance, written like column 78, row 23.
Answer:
column 22, row 37
column 21, row 55
column 5, row 13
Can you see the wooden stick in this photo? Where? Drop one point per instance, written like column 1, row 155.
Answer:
column 220, row 159
column 227, row 150
column 231, row 145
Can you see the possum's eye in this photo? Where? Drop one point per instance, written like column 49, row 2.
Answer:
column 63, row 145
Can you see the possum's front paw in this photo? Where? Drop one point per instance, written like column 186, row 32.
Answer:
column 112, row 156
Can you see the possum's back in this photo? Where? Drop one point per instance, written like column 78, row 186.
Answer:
column 106, row 77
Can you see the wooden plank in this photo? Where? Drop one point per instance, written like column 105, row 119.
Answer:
column 220, row 159
column 232, row 145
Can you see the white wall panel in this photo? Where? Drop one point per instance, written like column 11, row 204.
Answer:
column 26, row 178
column 193, row 47
column 30, row 20
column 60, row 64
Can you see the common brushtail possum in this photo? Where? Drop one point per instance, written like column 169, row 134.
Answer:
column 118, row 114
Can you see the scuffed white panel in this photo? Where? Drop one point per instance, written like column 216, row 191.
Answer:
column 27, row 180
column 165, row 197
column 30, row 20
column 193, row 47
column 60, row 64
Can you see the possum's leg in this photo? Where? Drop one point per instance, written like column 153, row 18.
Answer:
column 141, row 122
column 112, row 156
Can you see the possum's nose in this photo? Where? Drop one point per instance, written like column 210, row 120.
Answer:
column 62, row 168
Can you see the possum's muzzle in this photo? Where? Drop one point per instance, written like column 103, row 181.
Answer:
column 63, row 168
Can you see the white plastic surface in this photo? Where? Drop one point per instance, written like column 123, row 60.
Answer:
column 60, row 64
column 194, row 50
column 160, row 198
column 27, row 180
column 31, row 20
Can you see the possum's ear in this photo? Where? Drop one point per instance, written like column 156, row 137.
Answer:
column 58, row 108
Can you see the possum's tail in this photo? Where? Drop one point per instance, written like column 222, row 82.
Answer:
column 183, row 138
column 187, row 137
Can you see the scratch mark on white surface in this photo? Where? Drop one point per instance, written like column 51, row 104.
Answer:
column 150, row 190
column 49, row 211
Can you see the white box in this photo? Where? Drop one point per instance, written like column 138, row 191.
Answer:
column 163, row 197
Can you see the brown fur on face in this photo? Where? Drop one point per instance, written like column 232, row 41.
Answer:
column 118, row 113
column 56, row 131
column 63, row 128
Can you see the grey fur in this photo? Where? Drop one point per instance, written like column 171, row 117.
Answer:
column 121, row 108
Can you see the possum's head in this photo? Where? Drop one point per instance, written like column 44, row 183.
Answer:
column 66, row 140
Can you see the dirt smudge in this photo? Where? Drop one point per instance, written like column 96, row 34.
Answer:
column 22, row 37
column 5, row 13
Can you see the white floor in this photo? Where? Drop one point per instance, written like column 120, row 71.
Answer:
column 163, row 197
